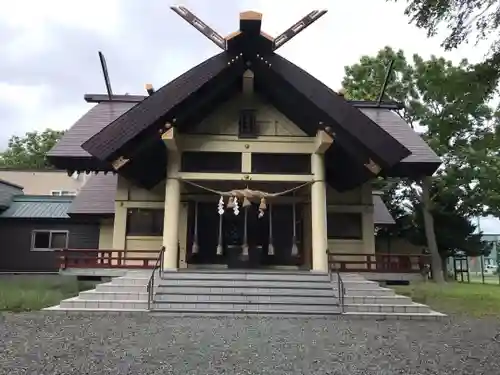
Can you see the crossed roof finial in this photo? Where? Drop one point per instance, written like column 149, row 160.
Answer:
column 250, row 21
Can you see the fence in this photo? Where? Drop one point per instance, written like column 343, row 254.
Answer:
column 484, row 270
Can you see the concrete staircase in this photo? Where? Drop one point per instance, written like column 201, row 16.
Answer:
column 245, row 292
column 223, row 292
column 122, row 294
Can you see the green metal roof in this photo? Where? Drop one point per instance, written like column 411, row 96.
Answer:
column 38, row 207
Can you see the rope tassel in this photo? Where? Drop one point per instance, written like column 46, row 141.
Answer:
column 246, row 202
column 195, row 248
column 219, row 245
column 270, row 247
column 295, row 249
column 245, row 235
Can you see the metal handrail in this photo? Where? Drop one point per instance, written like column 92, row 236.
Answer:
column 151, row 282
column 340, row 284
column 341, row 288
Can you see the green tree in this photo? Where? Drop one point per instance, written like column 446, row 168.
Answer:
column 29, row 151
column 451, row 103
column 464, row 20
column 455, row 233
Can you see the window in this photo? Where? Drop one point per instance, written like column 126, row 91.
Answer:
column 345, row 226
column 281, row 163
column 247, row 124
column 43, row 240
column 145, row 222
column 63, row 193
column 211, row 162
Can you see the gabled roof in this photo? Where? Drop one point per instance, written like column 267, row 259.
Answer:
column 298, row 92
column 422, row 157
column 96, row 197
column 135, row 134
column 168, row 103
column 38, row 207
column 97, row 118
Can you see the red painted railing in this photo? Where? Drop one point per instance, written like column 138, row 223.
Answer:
column 387, row 263
column 99, row 258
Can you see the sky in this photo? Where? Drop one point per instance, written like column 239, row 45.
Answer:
column 49, row 48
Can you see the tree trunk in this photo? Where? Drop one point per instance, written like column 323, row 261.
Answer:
column 444, row 265
column 437, row 264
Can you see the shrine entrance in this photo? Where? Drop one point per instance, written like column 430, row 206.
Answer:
column 248, row 239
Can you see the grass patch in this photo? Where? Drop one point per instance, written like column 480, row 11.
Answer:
column 476, row 300
column 30, row 293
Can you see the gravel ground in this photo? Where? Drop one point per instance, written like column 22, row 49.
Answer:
column 42, row 343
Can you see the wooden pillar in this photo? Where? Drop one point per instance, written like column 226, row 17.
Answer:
column 172, row 210
column 318, row 214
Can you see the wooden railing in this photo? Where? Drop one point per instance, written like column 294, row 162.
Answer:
column 99, row 258
column 389, row 263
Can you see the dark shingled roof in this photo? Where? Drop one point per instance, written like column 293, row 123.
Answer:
column 100, row 116
column 397, row 127
column 362, row 135
column 154, row 108
column 7, row 192
column 97, row 118
column 96, row 197
column 381, row 215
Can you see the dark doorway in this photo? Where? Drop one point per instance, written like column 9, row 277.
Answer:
column 208, row 234
column 258, row 230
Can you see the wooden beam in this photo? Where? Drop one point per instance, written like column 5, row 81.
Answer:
column 170, row 138
column 373, row 167
column 267, row 36
column 269, row 144
column 255, row 177
column 186, row 197
column 248, row 81
column 322, row 142
column 149, row 88
column 234, row 34
column 201, row 26
column 250, row 22
column 250, row 15
column 103, row 98
column 120, row 162
column 298, row 27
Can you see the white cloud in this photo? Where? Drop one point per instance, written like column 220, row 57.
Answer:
column 32, row 112
column 32, row 96
column 348, row 31
column 30, row 15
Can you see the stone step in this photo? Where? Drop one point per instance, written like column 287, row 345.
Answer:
column 378, row 300
column 244, row 276
column 116, row 295
column 414, row 308
column 110, row 287
column 268, row 290
column 130, row 280
column 368, row 292
column 264, row 284
column 232, row 306
column 250, row 299
column 431, row 315
column 216, row 313
column 77, row 303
